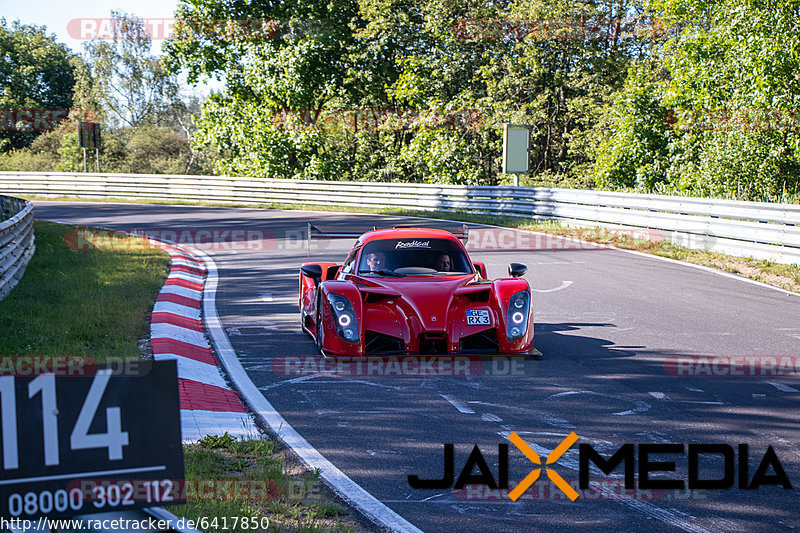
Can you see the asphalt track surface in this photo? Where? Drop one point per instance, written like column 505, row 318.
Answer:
column 609, row 324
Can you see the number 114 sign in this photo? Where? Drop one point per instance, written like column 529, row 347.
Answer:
column 83, row 444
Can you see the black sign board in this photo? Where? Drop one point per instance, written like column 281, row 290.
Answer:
column 89, row 135
column 104, row 440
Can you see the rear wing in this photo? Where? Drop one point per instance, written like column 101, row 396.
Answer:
column 315, row 233
column 461, row 234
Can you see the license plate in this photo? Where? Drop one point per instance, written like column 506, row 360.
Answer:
column 477, row 317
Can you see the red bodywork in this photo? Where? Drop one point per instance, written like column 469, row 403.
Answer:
column 417, row 314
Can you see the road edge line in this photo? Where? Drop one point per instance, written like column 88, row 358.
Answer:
column 346, row 488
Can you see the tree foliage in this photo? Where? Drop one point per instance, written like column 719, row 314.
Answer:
column 723, row 120
column 35, row 74
column 676, row 96
column 421, row 66
column 146, row 122
column 127, row 82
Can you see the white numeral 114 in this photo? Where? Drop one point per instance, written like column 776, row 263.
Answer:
column 114, row 439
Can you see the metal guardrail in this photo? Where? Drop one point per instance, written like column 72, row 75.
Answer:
column 16, row 241
column 757, row 229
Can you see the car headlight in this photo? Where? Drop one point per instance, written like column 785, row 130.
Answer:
column 344, row 316
column 517, row 322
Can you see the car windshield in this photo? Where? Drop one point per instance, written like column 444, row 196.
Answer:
column 413, row 257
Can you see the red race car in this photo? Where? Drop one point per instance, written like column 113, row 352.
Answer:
column 408, row 291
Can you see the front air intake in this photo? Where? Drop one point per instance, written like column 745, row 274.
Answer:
column 433, row 343
column 379, row 344
column 484, row 342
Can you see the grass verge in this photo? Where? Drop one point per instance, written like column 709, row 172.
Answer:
column 86, row 303
column 256, row 479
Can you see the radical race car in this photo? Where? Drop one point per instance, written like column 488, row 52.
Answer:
column 406, row 291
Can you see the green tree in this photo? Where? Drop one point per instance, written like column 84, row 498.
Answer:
column 412, row 56
column 393, row 57
column 729, row 92
column 129, row 84
column 35, row 73
column 282, row 65
column 556, row 67
column 636, row 154
column 147, row 121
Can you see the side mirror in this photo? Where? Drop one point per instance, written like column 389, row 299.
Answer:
column 312, row 271
column 333, row 270
column 516, row 270
column 481, row 268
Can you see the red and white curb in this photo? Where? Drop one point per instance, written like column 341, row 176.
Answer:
column 353, row 493
column 208, row 405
